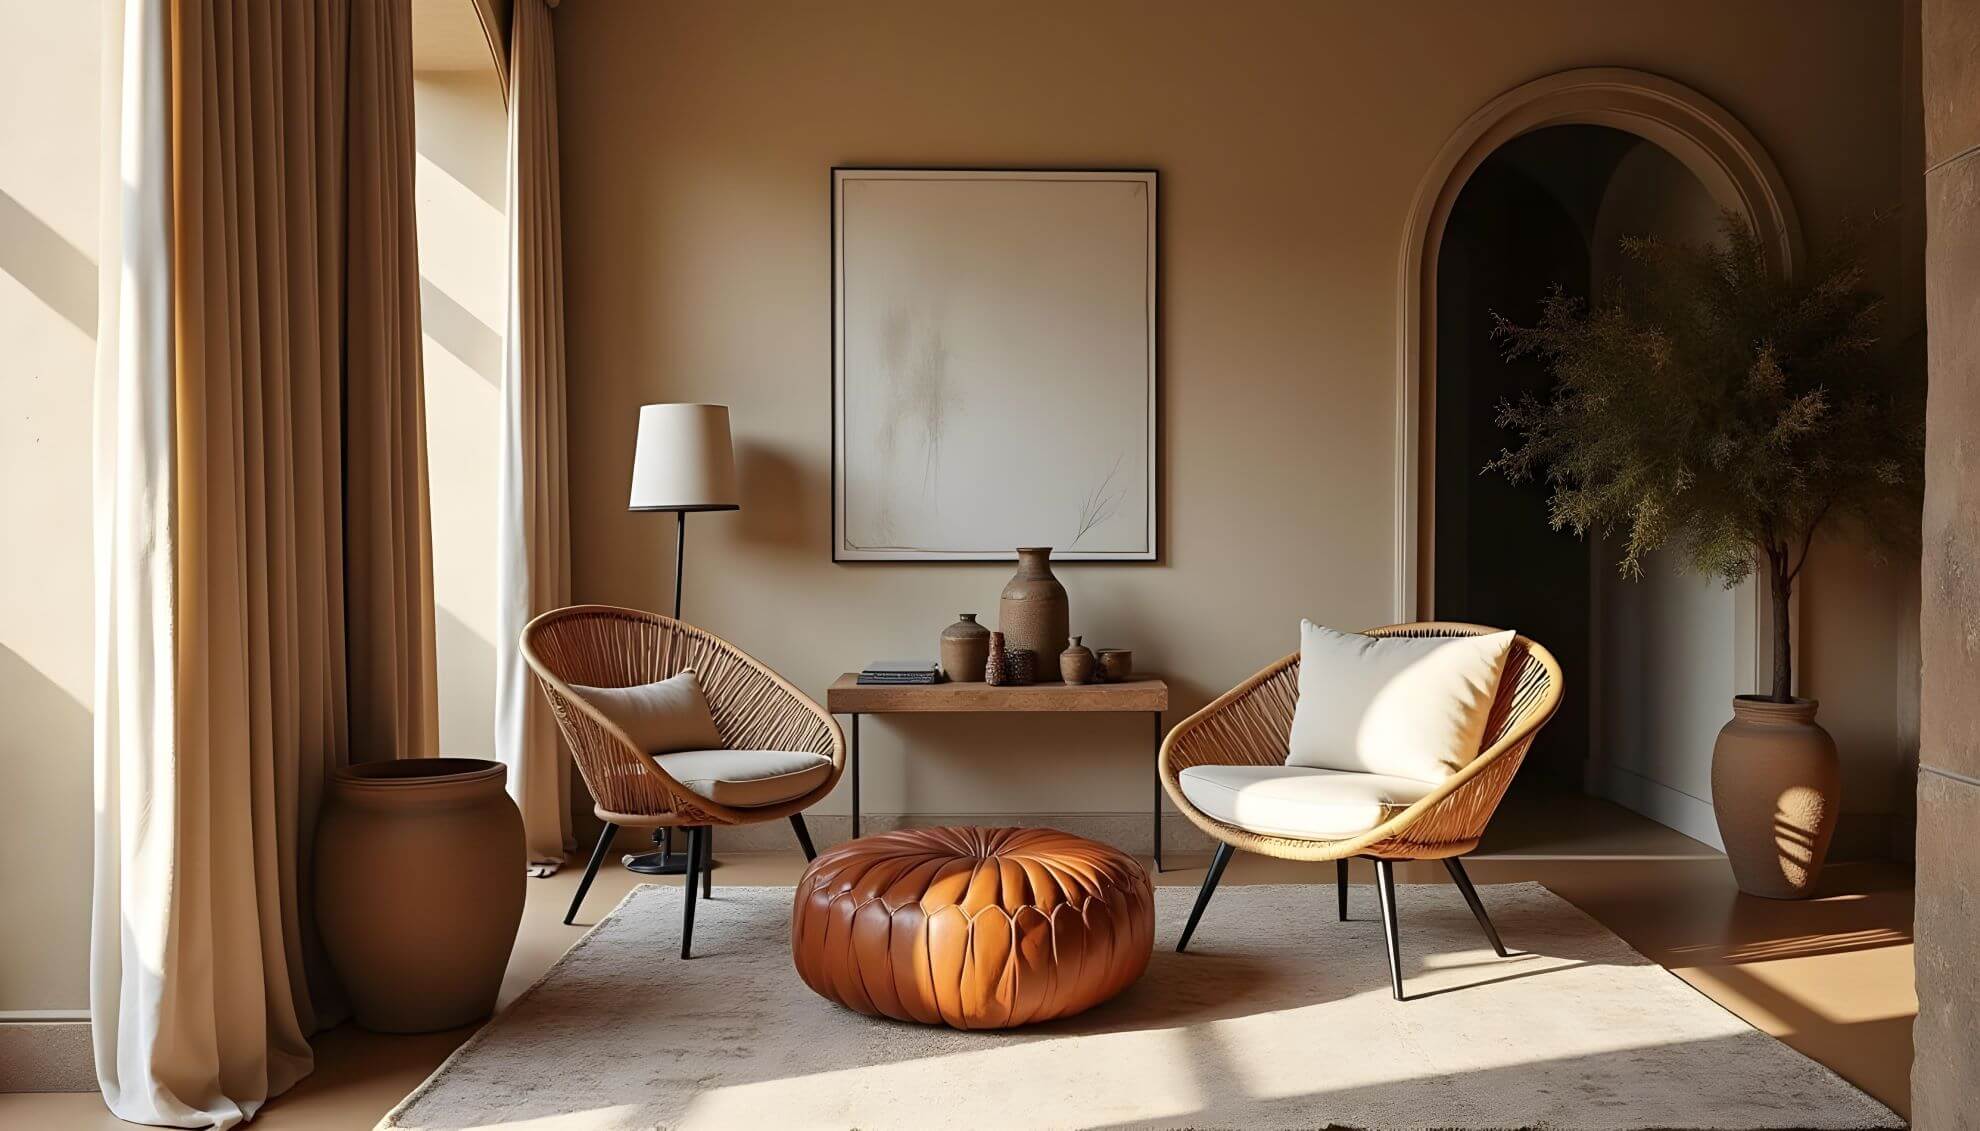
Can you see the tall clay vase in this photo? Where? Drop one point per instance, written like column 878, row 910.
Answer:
column 419, row 889
column 965, row 649
column 1034, row 611
column 1775, row 781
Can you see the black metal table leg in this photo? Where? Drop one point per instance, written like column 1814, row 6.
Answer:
column 1158, row 791
column 855, row 760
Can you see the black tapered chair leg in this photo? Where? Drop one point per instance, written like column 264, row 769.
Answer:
column 1210, row 879
column 691, row 882
column 1463, row 882
column 1385, row 889
column 708, row 862
column 590, row 870
column 1340, row 885
column 804, row 836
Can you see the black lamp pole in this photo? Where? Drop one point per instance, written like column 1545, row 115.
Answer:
column 662, row 861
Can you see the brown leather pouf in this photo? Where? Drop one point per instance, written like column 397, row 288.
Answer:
column 972, row 928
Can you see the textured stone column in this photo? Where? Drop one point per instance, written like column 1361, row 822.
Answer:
column 1945, row 1075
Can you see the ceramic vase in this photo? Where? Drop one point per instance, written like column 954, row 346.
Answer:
column 993, row 662
column 1775, row 782
column 1020, row 666
column 1076, row 663
column 965, row 649
column 1116, row 664
column 419, row 889
column 1034, row 611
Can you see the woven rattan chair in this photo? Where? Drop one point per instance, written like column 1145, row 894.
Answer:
column 1250, row 726
column 754, row 709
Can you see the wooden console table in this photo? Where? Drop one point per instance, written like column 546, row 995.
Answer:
column 1135, row 695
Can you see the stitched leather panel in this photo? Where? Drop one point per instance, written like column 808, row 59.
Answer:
column 972, row 928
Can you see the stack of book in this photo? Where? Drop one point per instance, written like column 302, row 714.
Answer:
column 900, row 673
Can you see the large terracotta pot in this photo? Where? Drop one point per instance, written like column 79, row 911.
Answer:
column 1033, row 612
column 419, row 889
column 1775, row 780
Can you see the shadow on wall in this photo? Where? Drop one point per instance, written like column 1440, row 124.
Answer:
column 777, row 489
column 55, row 270
column 46, row 745
column 473, row 342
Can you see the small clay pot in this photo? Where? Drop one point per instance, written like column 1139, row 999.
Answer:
column 996, row 669
column 1021, row 666
column 1116, row 664
column 965, row 650
column 1076, row 664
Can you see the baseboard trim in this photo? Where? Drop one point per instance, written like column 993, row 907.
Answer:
column 47, row 1055
column 1858, row 836
column 1659, row 802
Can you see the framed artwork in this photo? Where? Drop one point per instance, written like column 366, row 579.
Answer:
column 993, row 364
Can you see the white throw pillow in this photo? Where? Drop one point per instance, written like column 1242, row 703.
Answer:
column 660, row 718
column 1410, row 707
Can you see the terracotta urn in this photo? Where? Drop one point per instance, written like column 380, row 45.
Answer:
column 1034, row 611
column 1775, row 782
column 965, row 649
column 419, row 889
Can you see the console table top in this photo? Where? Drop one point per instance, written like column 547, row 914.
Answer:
column 1136, row 693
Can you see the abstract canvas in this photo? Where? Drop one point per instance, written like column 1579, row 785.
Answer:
column 993, row 376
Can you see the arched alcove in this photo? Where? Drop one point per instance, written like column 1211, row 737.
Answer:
column 1534, row 190
column 1725, row 157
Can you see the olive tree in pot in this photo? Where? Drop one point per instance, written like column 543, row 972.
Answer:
column 1715, row 407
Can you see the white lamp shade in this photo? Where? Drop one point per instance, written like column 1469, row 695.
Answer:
column 682, row 461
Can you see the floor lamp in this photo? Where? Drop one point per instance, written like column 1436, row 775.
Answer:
column 682, row 462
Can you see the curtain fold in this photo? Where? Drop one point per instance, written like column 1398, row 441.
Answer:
column 264, row 598
column 533, row 524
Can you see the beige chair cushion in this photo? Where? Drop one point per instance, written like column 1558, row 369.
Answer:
column 1298, row 802
column 660, row 718
column 1409, row 707
column 745, row 779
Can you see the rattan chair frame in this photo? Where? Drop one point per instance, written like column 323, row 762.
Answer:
column 754, row 709
column 1251, row 725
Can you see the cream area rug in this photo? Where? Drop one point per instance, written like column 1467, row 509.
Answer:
column 1279, row 1016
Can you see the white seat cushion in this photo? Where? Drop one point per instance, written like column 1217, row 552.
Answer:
column 1409, row 707
column 1299, row 802
column 746, row 779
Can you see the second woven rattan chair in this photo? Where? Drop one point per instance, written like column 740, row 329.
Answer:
column 1251, row 724
column 757, row 713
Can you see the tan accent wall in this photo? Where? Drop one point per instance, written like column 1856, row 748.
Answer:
column 697, row 140
column 1946, row 1071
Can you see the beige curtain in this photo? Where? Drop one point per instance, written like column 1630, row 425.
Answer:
column 264, row 603
column 534, row 530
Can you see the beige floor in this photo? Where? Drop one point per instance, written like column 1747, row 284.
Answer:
column 1830, row 976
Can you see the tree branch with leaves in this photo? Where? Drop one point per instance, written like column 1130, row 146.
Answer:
column 1715, row 407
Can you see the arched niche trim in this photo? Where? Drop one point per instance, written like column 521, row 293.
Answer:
column 1726, row 158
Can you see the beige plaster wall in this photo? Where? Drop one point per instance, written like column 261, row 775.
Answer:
column 49, row 73
column 697, row 139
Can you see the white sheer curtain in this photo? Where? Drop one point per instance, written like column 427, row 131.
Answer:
column 533, row 531
column 264, row 579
